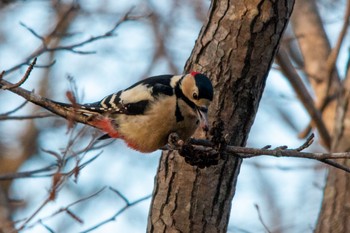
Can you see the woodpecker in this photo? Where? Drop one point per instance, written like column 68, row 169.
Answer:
column 144, row 114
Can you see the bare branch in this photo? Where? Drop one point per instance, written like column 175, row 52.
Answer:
column 14, row 110
column 120, row 195
column 33, row 32
column 46, row 227
column 29, row 117
column 303, row 94
column 48, row 104
column 332, row 58
column 206, row 147
column 113, row 218
column 307, row 143
column 24, row 78
column 71, row 48
column 29, row 174
column 247, row 152
column 27, row 220
column 65, row 209
column 261, row 219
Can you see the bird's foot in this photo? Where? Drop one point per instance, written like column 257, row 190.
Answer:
column 174, row 141
column 199, row 156
column 194, row 155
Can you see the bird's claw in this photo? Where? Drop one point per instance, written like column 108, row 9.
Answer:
column 174, row 141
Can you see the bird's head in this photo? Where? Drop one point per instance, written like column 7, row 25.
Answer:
column 198, row 89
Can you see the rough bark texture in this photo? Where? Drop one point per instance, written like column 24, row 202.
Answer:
column 235, row 49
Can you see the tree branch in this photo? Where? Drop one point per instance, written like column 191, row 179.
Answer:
column 303, row 94
column 204, row 151
column 128, row 205
column 332, row 58
column 44, row 48
column 208, row 147
column 67, row 113
column 24, row 78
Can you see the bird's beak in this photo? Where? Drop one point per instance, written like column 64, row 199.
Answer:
column 203, row 117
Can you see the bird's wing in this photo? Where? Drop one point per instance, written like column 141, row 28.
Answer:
column 134, row 100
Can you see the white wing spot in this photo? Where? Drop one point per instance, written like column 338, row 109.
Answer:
column 103, row 103
column 174, row 80
column 136, row 94
column 112, row 101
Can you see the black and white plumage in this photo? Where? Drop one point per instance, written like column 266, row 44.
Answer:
column 147, row 112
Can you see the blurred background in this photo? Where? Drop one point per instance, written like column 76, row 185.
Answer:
column 97, row 48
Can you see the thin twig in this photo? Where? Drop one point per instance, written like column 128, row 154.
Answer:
column 59, row 178
column 24, row 78
column 72, row 48
column 47, row 227
column 65, row 209
column 261, row 219
column 46, row 103
column 333, row 56
column 246, row 152
column 29, row 117
column 27, row 174
column 120, row 195
column 307, row 143
column 27, row 220
column 14, row 110
column 113, row 218
column 32, row 31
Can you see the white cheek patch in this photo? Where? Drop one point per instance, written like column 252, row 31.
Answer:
column 136, row 94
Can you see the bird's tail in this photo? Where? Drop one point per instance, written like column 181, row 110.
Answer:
column 96, row 119
column 89, row 114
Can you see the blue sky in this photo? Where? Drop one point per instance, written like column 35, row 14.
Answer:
column 287, row 188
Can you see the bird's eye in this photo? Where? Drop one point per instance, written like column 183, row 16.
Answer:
column 195, row 96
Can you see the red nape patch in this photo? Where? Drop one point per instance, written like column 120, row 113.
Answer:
column 106, row 125
column 194, row 73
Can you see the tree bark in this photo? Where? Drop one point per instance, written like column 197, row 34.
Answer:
column 315, row 47
column 335, row 211
column 235, row 48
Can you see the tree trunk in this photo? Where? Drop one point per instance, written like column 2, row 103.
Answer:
column 335, row 213
column 6, row 224
column 315, row 47
column 235, row 48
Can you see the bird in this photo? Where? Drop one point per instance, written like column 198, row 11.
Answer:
column 147, row 112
